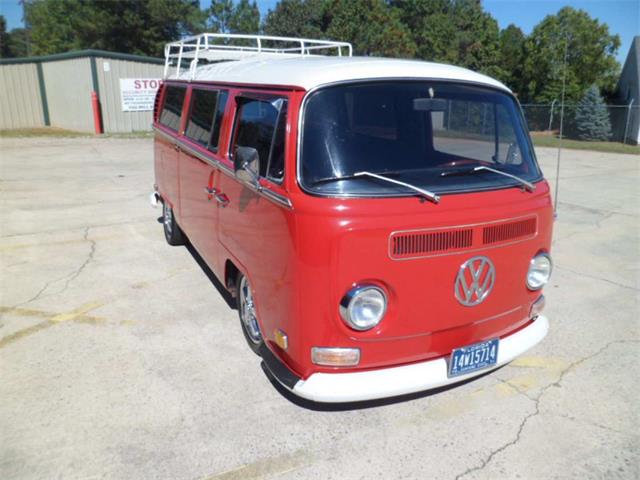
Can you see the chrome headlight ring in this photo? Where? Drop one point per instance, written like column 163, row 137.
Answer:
column 363, row 307
column 539, row 272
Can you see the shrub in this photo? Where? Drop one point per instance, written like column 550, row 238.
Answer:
column 592, row 117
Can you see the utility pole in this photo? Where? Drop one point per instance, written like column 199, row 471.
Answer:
column 27, row 26
column 626, row 125
column 551, row 114
column 564, row 82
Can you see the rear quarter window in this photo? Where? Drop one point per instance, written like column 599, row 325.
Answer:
column 172, row 108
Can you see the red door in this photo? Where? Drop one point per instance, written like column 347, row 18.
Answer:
column 198, row 205
column 255, row 228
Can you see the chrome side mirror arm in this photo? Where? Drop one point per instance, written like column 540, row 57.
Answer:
column 255, row 179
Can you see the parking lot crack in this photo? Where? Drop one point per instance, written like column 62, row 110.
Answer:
column 536, row 411
column 68, row 278
column 516, row 389
column 595, row 277
column 593, row 424
column 86, row 262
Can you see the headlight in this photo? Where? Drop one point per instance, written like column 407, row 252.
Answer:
column 363, row 307
column 539, row 271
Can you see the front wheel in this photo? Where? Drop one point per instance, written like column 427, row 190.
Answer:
column 248, row 315
column 172, row 231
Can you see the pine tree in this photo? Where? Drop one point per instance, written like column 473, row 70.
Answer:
column 592, row 117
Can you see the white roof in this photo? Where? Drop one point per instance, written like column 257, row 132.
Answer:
column 311, row 71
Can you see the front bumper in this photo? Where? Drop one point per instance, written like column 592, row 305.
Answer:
column 394, row 381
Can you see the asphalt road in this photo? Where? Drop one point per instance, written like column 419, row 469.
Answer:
column 119, row 358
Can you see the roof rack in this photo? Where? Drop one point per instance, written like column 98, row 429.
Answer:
column 217, row 47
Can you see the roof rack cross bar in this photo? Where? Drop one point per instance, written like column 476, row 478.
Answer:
column 204, row 46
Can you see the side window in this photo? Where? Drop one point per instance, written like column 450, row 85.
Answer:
column 275, row 170
column 215, row 132
column 172, row 109
column 203, row 104
column 261, row 124
column 205, row 115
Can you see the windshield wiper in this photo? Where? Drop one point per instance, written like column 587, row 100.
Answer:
column 425, row 193
column 527, row 185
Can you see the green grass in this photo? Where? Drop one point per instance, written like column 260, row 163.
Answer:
column 546, row 140
column 62, row 133
column 41, row 132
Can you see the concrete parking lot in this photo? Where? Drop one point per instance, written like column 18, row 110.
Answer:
column 119, row 358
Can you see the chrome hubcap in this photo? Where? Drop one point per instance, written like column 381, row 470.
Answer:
column 248, row 311
column 168, row 218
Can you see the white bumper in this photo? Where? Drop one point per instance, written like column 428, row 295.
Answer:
column 390, row 382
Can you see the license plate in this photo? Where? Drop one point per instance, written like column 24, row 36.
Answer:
column 473, row 357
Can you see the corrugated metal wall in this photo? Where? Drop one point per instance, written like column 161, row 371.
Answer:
column 68, row 80
column 113, row 118
column 20, row 102
column 68, row 84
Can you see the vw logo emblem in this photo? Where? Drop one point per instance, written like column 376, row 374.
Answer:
column 474, row 281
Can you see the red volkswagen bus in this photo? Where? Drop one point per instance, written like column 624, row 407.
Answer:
column 383, row 224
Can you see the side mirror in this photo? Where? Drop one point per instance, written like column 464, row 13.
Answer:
column 246, row 165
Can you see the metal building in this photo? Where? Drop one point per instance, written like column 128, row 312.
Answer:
column 628, row 93
column 56, row 90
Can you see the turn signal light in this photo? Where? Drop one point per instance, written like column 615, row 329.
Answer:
column 281, row 339
column 335, row 357
column 537, row 307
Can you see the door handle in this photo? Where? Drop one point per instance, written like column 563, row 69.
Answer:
column 222, row 199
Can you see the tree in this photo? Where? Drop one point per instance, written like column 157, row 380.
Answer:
column 590, row 57
column 297, row 18
column 591, row 117
column 4, row 38
column 373, row 27
column 512, row 57
column 459, row 32
column 220, row 13
column 432, row 28
column 19, row 42
column 478, row 38
column 128, row 26
column 227, row 17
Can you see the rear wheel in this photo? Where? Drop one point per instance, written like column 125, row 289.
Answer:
column 248, row 315
column 172, row 231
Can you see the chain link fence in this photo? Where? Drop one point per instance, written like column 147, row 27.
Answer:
column 624, row 119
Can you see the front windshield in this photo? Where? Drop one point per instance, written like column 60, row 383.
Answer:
column 429, row 134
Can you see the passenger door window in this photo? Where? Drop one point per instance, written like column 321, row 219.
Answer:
column 172, row 109
column 261, row 124
column 205, row 116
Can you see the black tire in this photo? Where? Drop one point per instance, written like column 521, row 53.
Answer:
column 172, row 232
column 247, row 314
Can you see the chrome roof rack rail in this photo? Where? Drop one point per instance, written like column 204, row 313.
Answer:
column 218, row 47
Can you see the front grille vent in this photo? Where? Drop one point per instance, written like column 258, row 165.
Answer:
column 509, row 231
column 415, row 244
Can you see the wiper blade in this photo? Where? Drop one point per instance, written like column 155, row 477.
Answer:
column 425, row 193
column 332, row 179
column 527, row 185
column 345, row 177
